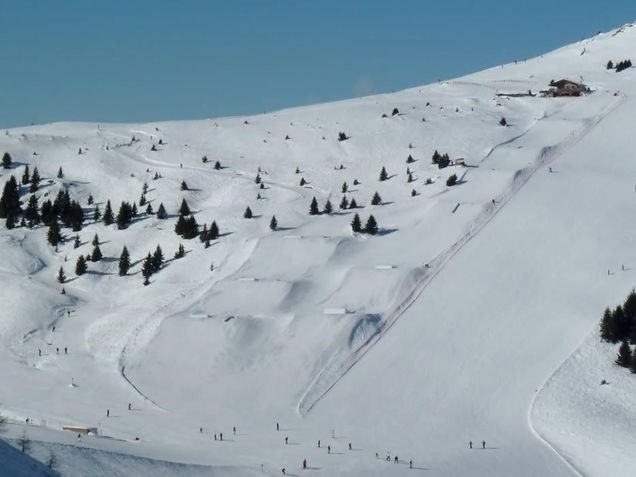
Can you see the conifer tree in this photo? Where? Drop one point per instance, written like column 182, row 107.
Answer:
column 124, row 216
column 10, row 222
column 95, row 240
column 144, row 188
column 217, row 166
column 302, row 181
column 297, row 170
column 179, row 227
column 328, row 207
column 161, row 212
column 344, row 187
column 203, row 237
column 108, row 217
column 356, row 225
column 344, row 203
column 61, row 276
column 54, row 236
column 10, row 199
column 97, row 215
column 273, row 224
column 213, row 233
column 31, row 212
column 180, row 253
column 80, row 266
column 184, row 186
column 26, row 176
column 624, row 356
column 96, row 256
column 353, row 204
column 313, row 207
column 77, row 242
column 142, row 200
column 149, row 210
column 413, row 193
column 619, row 327
column 632, row 366
column 248, row 213
column 184, row 209
column 6, row 160
column 409, row 178
column 410, row 160
column 191, row 228
column 356, row 182
column 257, row 179
column 133, row 210
column 124, row 262
column 35, row 180
column 60, row 173
column 157, row 259
column 262, row 186
column 147, row 269
column 452, row 180
column 90, row 199
column 383, row 174
column 371, row 226
column 376, row 199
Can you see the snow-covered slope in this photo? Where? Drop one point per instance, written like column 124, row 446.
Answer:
column 439, row 330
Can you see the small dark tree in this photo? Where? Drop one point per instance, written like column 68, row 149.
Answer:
column 410, row 160
column 60, row 173
column 10, row 199
column 503, row 122
column 624, row 357
column 142, row 200
column 413, row 193
column 184, row 209
column 297, row 170
column 371, row 227
column 204, row 159
column 54, row 235
column 80, row 266
column 184, row 186
column 108, row 217
column 191, row 228
column 97, row 215
column 147, row 269
column 26, row 175
column 179, row 227
column 610, row 65
column 257, row 179
column 144, row 188
column 161, row 212
column 356, row 182
column 96, row 256
column 90, row 199
column 95, row 240
column 302, row 181
column 356, row 224
column 124, row 262
column 344, row 188
column 273, row 224
column 180, row 253
column 452, row 180
column 149, row 210
column 313, row 207
column 124, row 216
column 342, row 136
column 376, row 200
column 31, row 212
column 383, row 174
column 6, row 160
column 61, row 276
column 157, row 259
column 213, row 233
column 24, row 443
column 35, row 180
column 353, row 204
column 248, row 213
column 328, row 207
column 77, row 242
column 344, row 203
column 217, row 166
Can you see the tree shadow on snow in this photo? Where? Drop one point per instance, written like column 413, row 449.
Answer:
column 382, row 232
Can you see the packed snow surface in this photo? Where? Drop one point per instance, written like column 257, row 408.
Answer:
column 440, row 330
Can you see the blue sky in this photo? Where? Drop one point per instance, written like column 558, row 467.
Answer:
column 137, row 60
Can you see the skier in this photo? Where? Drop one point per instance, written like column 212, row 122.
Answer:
column 410, row 464
column 623, row 267
column 277, row 427
column 483, row 444
column 130, row 409
column 54, row 329
column 57, row 350
column 283, row 471
column 220, row 436
column 234, row 430
column 107, row 412
column 214, row 436
column 395, row 460
column 349, row 445
column 79, row 437
column 304, row 464
column 470, row 444
column 329, row 449
column 318, row 443
column 68, row 313
column 550, row 169
column 388, row 458
column 286, row 439
column 39, row 352
column 200, row 428
column 65, row 350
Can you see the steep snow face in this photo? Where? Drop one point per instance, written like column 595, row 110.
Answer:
column 436, row 331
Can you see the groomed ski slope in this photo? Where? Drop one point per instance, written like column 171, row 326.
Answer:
column 452, row 320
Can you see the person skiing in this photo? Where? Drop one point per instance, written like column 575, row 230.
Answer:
column 395, row 460
column 483, row 444
column 329, row 449
column 65, row 350
column 234, row 430
column 411, row 464
column 277, row 427
column 304, row 464
column 215, row 436
column 318, row 443
column 286, row 438
column 200, row 428
column 130, row 409
column 39, row 352
column 470, row 444
column 220, row 436
column 53, row 329
column 349, row 445
column 283, row 471
column 57, row 350
column 107, row 412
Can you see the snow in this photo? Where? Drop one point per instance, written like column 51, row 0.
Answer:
column 440, row 330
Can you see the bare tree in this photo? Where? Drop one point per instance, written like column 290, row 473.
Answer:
column 24, row 443
column 3, row 424
column 51, row 462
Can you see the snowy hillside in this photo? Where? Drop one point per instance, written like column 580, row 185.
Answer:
column 439, row 330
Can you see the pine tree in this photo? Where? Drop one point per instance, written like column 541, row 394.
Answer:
column 184, row 209
column 179, row 227
column 383, row 174
column 157, row 259
column 371, row 226
column 410, row 160
column 31, row 212
column 142, row 200
column 619, row 328
column 133, row 210
column 353, row 204
column 108, row 217
column 35, row 180
column 328, row 207
column 95, row 240
column 452, row 180
column 10, row 199
column 149, row 210
column 60, row 173
column 273, row 224
column 629, row 309
column 6, row 160
column 262, row 186
column 217, row 166
column 302, row 181
column 54, row 236
column 90, row 199
column 61, row 276
column 344, row 203
column 356, row 182
column 11, row 220
column 503, row 122
column 409, row 178
column 180, row 253
column 413, row 193
column 147, row 269
column 257, row 179
column 184, row 186
column 191, row 228
column 203, row 237
column 313, row 207
column 77, row 243
column 80, row 266
column 248, row 213
column 344, row 188
column 356, row 225
column 125, row 215
column 161, row 212
column 297, row 170
column 144, row 188
column 624, row 356
column 97, row 215
column 376, row 199
column 213, row 233
column 26, row 176
column 96, row 256
column 124, row 262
